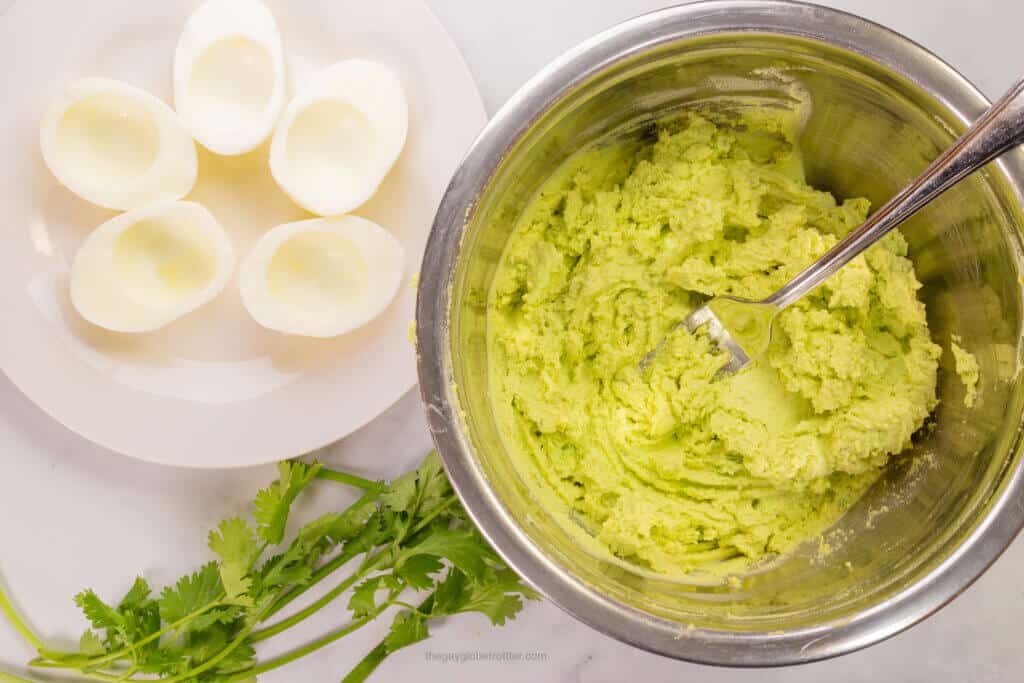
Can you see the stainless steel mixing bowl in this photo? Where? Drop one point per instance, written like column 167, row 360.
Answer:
column 881, row 108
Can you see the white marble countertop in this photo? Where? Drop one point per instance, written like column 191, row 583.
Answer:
column 100, row 518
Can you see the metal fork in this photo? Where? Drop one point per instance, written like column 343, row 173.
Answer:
column 742, row 328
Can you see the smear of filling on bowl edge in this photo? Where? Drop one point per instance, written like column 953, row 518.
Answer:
column 669, row 467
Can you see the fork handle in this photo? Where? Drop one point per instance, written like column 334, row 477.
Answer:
column 998, row 130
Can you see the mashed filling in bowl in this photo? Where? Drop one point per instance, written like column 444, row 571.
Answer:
column 670, row 467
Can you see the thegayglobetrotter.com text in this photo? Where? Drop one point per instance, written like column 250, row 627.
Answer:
column 496, row 656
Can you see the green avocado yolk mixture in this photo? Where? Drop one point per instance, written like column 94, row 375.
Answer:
column 670, row 467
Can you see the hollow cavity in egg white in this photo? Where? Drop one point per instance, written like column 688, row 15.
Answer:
column 321, row 277
column 111, row 137
column 117, row 146
column 319, row 273
column 229, row 75
column 143, row 269
column 333, row 147
column 160, row 262
column 340, row 136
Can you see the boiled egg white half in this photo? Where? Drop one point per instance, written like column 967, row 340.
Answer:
column 340, row 136
column 117, row 146
column 229, row 75
column 321, row 277
column 145, row 268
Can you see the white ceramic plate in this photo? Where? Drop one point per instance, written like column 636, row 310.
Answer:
column 213, row 389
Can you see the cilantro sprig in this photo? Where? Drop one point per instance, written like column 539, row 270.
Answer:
column 400, row 539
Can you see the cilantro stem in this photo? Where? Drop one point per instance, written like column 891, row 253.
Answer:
column 324, row 571
column 194, row 672
column 77, row 664
column 375, row 657
column 411, row 608
column 313, row 646
column 11, row 678
column 430, row 518
column 90, row 673
column 346, row 478
column 127, row 675
column 329, row 597
column 369, row 566
column 318, row 576
column 95, row 675
column 367, row 665
column 114, row 656
column 19, row 624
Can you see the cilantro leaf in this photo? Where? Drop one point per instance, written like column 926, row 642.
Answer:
column 191, row 593
column 407, row 628
column 241, row 658
column 234, row 542
column 449, row 594
column 222, row 615
column 364, row 596
column 90, row 644
column 274, row 502
column 236, row 583
column 137, row 595
column 141, row 620
column 435, row 490
column 202, row 646
column 350, row 522
column 287, row 568
column 494, row 603
column 205, row 645
column 102, row 616
column 420, row 491
column 463, row 548
column 295, row 565
column 318, row 537
column 380, row 528
column 497, row 596
column 166, row 660
column 417, row 569
column 400, row 495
